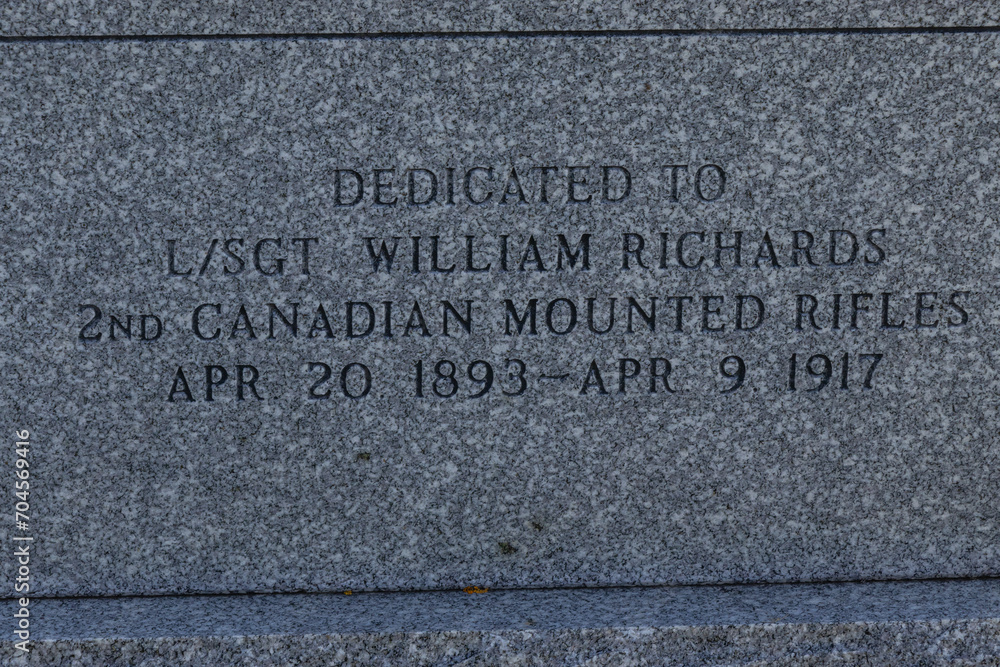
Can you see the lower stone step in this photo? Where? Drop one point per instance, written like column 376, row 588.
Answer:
column 878, row 623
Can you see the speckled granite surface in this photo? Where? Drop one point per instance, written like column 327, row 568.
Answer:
column 964, row 643
column 88, row 17
column 127, row 164
column 502, row 610
column 378, row 312
column 944, row 622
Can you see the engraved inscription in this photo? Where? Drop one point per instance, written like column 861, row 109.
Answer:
column 546, row 311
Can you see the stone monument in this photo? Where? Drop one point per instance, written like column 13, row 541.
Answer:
column 522, row 333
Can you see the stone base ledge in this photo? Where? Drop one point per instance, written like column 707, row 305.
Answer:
column 900, row 623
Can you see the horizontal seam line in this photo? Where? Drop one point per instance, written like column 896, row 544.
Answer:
column 502, row 34
column 701, row 586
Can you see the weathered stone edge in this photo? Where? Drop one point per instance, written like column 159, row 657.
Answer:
column 523, row 609
column 900, row 622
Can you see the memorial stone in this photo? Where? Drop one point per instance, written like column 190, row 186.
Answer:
column 532, row 332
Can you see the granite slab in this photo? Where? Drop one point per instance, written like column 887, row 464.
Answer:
column 229, row 389
column 921, row 622
column 226, row 17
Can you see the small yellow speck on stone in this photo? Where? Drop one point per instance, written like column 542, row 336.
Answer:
column 474, row 590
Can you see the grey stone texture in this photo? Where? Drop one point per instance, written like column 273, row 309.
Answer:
column 932, row 643
column 186, row 17
column 112, row 149
column 525, row 609
column 940, row 622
